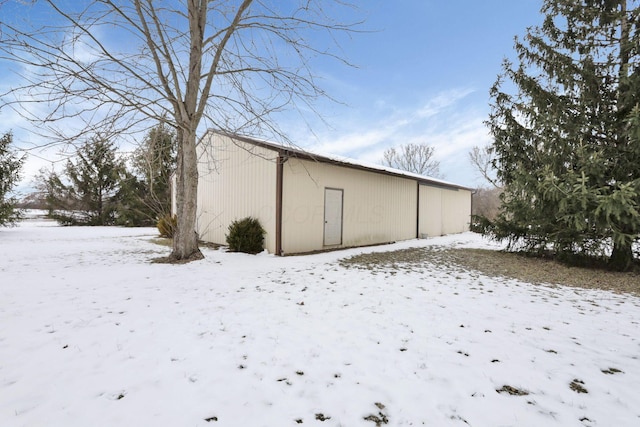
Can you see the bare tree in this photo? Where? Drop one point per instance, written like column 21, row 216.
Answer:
column 416, row 158
column 485, row 201
column 228, row 64
column 482, row 160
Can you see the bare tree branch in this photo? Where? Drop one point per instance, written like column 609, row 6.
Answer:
column 482, row 160
column 191, row 64
column 416, row 158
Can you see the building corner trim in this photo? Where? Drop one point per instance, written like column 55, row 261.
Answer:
column 279, row 181
column 418, row 210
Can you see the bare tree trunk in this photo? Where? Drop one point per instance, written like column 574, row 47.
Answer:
column 185, row 240
column 621, row 257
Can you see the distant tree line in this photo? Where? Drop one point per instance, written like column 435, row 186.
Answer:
column 99, row 187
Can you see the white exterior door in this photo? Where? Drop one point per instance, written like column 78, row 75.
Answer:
column 332, row 216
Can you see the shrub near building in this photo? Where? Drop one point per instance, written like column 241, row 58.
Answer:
column 246, row 235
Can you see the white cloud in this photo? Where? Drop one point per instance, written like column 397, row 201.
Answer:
column 442, row 101
column 445, row 121
column 359, row 140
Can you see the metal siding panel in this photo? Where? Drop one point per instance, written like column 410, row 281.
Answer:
column 377, row 208
column 430, row 211
column 456, row 211
column 236, row 180
column 443, row 211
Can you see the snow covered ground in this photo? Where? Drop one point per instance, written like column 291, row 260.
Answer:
column 93, row 334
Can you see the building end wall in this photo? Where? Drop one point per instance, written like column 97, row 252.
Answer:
column 236, row 180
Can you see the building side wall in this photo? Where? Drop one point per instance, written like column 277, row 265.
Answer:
column 443, row 211
column 430, row 223
column 456, row 214
column 377, row 208
column 236, row 180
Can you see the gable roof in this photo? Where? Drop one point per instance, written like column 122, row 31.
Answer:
column 289, row 151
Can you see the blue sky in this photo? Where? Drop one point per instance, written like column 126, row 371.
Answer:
column 422, row 75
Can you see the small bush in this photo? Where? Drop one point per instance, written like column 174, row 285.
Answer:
column 246, row 235
column 167, row 225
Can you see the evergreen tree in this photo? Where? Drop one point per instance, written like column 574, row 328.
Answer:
column 10, row 165
column 153, row 163
column 94, row 181
column 49, row 190
column 566, row 143
column 132, row 209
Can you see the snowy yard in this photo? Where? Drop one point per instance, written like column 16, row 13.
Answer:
column 93, row 334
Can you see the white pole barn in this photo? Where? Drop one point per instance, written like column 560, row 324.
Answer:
column 309, row 202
